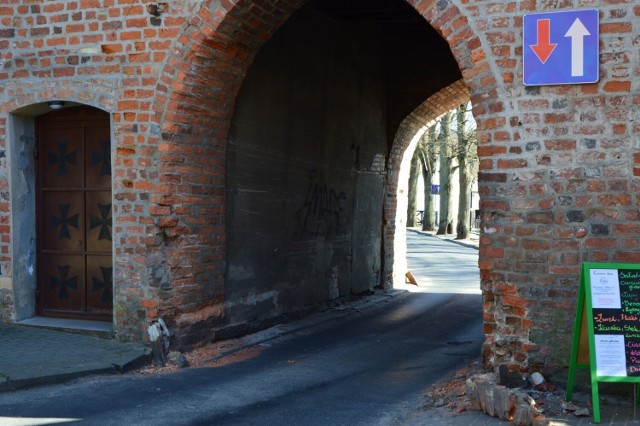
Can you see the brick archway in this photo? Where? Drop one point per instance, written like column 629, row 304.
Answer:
column 398, row 165
column 559, row 171
column 194, row 102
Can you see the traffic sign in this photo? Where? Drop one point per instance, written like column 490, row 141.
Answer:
column 560, row 47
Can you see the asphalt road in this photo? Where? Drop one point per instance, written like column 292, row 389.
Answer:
column 441, row 266
column 364, row 368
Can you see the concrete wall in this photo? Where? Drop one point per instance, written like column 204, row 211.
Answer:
column 305, row 169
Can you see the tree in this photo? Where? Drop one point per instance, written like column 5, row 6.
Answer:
column 413, row 188
column 427, row 148
column 467, row 156
column 446, row 170
column 454, row 151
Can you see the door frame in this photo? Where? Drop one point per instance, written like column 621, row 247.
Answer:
column 21, row 273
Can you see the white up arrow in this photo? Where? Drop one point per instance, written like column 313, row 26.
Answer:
column 577, row 32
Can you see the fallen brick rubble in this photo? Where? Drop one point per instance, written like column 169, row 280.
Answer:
column 528, row 400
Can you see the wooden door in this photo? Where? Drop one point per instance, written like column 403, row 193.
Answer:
column 75, row 267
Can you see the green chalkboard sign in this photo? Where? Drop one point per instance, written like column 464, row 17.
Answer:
column 606, row 337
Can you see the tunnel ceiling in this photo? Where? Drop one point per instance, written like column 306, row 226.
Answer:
column 419, row 61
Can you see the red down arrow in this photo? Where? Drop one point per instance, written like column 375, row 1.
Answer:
column 544, row 47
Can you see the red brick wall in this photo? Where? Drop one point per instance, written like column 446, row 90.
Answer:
column 559, row 172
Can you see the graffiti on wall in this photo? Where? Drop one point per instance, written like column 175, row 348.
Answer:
column 323, row 211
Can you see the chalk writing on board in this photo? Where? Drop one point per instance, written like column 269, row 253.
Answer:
column 610, row 355
column 605, row 289
column 631, row 306
column 630, row 280
column 609, row 300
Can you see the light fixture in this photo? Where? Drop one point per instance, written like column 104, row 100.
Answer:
column 56, row 104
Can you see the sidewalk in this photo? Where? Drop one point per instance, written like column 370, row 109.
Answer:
column 32, row 356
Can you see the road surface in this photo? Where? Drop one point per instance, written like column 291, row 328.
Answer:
column 363, row 368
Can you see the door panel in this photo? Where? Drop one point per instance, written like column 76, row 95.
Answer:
column 75, row 266
column 98, row 204
column 99, row 288
column 62, row 165
column 63, row 221
column 98, row 158
column 64, row 288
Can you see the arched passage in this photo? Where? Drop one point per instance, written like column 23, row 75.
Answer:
column 395, row 203
column 198, row 94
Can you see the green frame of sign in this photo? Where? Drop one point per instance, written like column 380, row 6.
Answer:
column 584, row 307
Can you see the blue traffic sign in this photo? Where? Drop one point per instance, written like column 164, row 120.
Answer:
column 560, row 47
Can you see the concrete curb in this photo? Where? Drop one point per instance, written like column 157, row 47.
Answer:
column 323, row 317
column 51, row 379
column 463, row 243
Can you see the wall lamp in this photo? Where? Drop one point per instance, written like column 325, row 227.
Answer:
column 56, row 104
